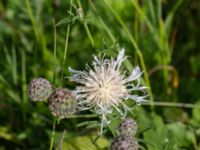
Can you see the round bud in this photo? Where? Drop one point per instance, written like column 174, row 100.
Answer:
column 128, row 126
column 39, row 89
column 124, row 142
column 62, row 103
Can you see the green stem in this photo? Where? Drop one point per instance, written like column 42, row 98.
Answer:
column 136, row 33
column 169, row 104
column 102, row 22
column 24, row 83
column 138, row 52
column 88, row 33
column 30, row 13
column 84, row 116
column 14, row 68
column 53, row 134
column 86, row 28
column 142, row 14
column 66, row 45
column 65, row 52
column 54, row 52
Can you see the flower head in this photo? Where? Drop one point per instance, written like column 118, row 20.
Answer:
column 104, row 86
column 39, row 89
column 124, row 142
column 62, row 103
column 128, row 126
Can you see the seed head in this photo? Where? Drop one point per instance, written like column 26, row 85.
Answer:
column 128, row 126
column 124, row 142
column 39, row 89
column 62, row 103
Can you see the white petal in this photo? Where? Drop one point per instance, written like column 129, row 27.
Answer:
column 96, row 61
column 75, row 71
column 136, row 73
column 120, row 55
column 120, row 59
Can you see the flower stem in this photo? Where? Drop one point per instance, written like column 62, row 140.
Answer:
column 53, row 134
column 54, row 52
column 169, row 104
column 84, row 116
column 30, row 13
column 113, row 39
column 66, row 45
column 88, row 33
column 86, row 28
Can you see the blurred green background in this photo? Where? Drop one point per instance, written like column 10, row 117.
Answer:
column 42, row 38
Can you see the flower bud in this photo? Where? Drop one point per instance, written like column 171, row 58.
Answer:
column 128, row 126
column 62, row 103
column 39, row 89
column 124, row 142
column 80, row 13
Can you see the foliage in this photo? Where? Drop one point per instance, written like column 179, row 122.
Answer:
column 41, row 38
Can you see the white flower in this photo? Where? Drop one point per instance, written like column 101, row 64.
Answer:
column 105, row 86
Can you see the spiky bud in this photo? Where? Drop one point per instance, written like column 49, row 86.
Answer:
column 124, row 142
column 128, row 126
column 39, row 89
column 62, row 103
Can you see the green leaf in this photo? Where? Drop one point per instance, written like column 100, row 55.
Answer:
column 65, row 20
column 155, row 133
column 169, row 19
column 196, row 114
column 85, row 143
column 183, row 136
column 87, row 123
column 156, row 137
column 4, row 133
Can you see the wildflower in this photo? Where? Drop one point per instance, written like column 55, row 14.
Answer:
column 62, row 103
column 124, row 142
column 39, row 89
column 105, row 86
column 128, row 126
